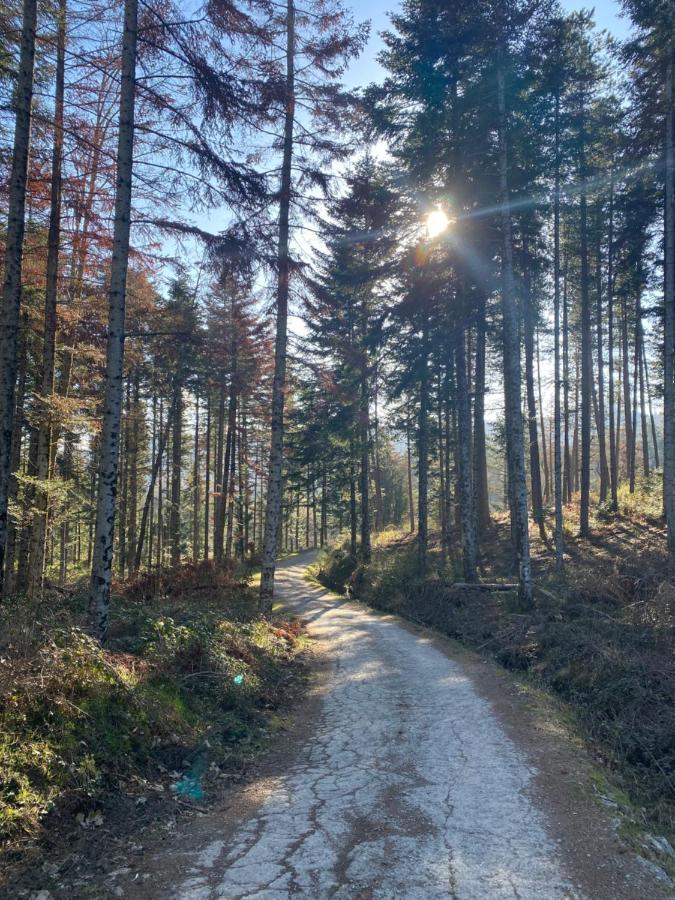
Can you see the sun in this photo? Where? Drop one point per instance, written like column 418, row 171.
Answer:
column 437, row 222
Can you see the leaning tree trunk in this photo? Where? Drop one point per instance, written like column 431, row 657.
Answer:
column 273, row 510
column 39, row 528
column 512, row 384
column 112, row 410
column 669, row 329
column 11, row 291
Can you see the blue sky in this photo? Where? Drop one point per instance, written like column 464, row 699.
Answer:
column 366, row 69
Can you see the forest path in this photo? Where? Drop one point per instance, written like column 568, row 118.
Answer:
column 402, row 779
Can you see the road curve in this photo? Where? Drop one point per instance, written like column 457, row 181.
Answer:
column 406, row 786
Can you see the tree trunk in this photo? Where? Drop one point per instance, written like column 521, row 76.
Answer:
column 156, row 469
column 467, row 512
column 442, row 450
column 567, row 470
column 657, row 464
column 353, row 524
column 511, row 337
column 423, row 455
column 219, row 505
column 636, row 379
column 132, row 535
column 229, row 479
column 273, row 510
column 364, row 438
column 17, row 431
column 11, row 292
column 627, row 418
column 535, row 462
column 586, row 352
column 39, row 528
column 643, row 409
column 196, row 494
column 107, row 479
column 176, row 472
column 602, row 443
column 669, row 317
column 613, row 430
column 411, row 505
column 207, row 477
column 480, row 479
column 542, row 427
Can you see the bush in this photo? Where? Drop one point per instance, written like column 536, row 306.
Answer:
column 75, row 718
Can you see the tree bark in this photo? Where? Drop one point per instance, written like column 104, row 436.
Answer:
column 512, row 383
column 273, row 510
column 480, row 479
column 107, row 478
column 602, row 443
column 156, row 468
column 196, row 492
column 411, row 505
column 586, row 349
column 176, row 472
column 11, row 292
column 535, row 462
column 542, row 426
column 469, row 542
column 423, row 455
column 39, row 527
column 669, row 314
column 613, row 430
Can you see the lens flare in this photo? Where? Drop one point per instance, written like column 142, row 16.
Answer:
column 437, row 222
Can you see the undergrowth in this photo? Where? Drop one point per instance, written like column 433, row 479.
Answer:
column 188, row 666
column 602, row 642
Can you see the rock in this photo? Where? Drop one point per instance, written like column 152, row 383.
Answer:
column 661, row 845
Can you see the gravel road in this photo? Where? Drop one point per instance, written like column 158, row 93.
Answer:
column 404, row 784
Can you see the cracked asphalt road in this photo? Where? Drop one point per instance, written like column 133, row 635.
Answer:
column 406, row 786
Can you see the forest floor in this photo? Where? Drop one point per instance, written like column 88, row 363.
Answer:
column 98, row 745
column 414, row 769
